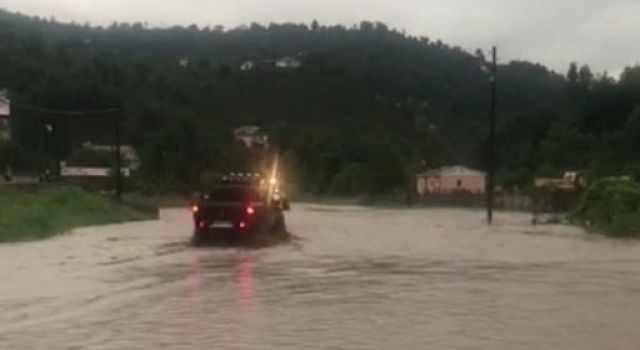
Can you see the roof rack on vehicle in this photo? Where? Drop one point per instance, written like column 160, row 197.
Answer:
column 240, row 178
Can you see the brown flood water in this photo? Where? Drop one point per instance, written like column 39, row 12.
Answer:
column 357, row 279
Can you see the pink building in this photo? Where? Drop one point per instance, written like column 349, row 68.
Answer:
column 447, row 180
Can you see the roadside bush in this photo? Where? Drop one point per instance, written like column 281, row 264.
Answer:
column 6, row 153
column 611, row 206
column 352, row 180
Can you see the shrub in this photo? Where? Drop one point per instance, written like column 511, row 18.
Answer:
column 352, row 180
column 611, row 205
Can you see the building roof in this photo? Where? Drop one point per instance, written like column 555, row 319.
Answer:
column 288, row 62
column 451, row 170
column 248, row 130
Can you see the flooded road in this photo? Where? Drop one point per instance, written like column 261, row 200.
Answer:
column 357, row 279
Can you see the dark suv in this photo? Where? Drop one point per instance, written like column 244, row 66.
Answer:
column 236, row 211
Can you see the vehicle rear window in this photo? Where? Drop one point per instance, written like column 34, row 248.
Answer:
column 234, row 194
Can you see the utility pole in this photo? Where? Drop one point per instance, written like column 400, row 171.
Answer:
column 492, row 135
column 118, row 157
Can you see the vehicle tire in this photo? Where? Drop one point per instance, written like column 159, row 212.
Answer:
column 198, row 237
column 278, row 227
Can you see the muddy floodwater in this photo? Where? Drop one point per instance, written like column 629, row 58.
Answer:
column 357, row 278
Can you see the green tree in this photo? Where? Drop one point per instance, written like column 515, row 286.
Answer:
column 585, row 77
column 354, row 179
column 573, row 76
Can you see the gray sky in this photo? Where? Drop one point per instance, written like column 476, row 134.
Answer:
column 603, row 33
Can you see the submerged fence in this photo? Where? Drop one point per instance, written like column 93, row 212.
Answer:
column 511, row 201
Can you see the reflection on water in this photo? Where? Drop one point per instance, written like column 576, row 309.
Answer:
column 242, row 267
column 194, row 279
column 244, row 280
column 360, row 279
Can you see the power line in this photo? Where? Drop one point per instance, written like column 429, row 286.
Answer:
column 70, row 113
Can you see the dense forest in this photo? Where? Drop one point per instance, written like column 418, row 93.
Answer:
column 368, row 108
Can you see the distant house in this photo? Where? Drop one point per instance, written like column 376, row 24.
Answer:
column 184, row 62
column 570, row 181
column 247, row 66
column 288, row 63
column 251, row 136
column 89, row 172
column 554, row 195
column 270, row 64
column 129, row 154
column 448, row 180
column 93, row 166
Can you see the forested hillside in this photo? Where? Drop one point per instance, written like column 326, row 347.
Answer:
column 368, row 107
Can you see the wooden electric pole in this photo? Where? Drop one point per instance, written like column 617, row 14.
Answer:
column 491, row 183
column 118, row 156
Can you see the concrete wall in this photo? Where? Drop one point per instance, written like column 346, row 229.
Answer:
column 502, row 201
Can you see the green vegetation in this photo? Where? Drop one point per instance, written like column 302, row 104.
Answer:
column 611, row 206
column 34, row 212
column 368, row 108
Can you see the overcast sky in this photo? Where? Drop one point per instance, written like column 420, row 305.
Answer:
column 603, row 33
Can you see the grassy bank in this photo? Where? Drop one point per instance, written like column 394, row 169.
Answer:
column 611, row 206
column 29, row 213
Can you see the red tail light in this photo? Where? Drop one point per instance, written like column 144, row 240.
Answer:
column 242, row 225
column 251, row 210
column 195, row 208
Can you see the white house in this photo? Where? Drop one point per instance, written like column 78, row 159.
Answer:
column 129, row 157
column 184, row 62
column 251, row 135
column 247, row 66
column 269, row 63
column 129, row 154
column 288, row 63
column 89, row 172
column 570, row 181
